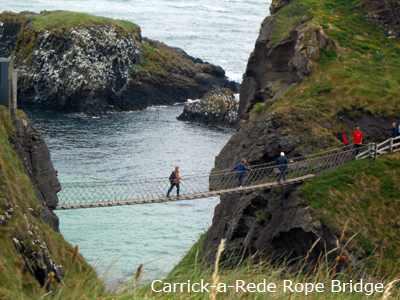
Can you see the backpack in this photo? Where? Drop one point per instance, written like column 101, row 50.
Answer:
column 172, row 176
column 340, row 137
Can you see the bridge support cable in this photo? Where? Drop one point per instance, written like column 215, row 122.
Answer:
column 202, row 185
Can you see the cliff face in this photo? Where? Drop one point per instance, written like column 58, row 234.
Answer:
column 101, row 65
column 385, row 14
column 313, row 73
column 31, row 149
column 272, row 223
column 36, row 259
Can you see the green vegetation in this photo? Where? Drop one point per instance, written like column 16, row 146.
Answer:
column 158, row 58
column 58, row 18
column 367, row 194
column 367, row 71
column 358, row 70
column 193, row 269
column 58, row 23
column 16, row 282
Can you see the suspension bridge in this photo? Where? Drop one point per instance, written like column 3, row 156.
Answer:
column 221, row 182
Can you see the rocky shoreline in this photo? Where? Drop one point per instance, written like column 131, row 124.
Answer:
column 96, row 68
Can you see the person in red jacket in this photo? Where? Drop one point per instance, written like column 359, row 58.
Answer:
column 357, row 138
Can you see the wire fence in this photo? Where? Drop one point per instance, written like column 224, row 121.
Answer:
column 97, row 192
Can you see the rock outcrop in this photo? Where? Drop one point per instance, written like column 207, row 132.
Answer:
column 286, row 106
column 273, row 224
column 277, row 5
column 282, row 65
column 32, row 150
column 385, row 14
column 99, row 67
column 217, row 108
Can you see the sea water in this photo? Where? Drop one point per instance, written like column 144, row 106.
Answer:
column 149, row 143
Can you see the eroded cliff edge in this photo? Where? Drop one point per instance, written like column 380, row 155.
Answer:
column 36, row 260
column 317, row 69
column 34, row 154
column 97, row 64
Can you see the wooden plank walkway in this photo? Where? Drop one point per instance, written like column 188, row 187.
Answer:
column 185, row 197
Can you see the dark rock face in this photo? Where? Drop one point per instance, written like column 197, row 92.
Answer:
column 28, row 143
column 274, row 223
column 385, row 14
column 218, row 107
column 102, row 68
column 259, row 142
column 10, row 26
column 373, row 128
column 283, row 64
column 39, row 263
column 277, row 5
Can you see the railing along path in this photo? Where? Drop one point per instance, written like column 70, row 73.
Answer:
column 203, row 185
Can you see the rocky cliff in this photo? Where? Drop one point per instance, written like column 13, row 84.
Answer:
column 318, row 68
column 84, row 63
column 385, row 14
column 31, row 149
column 36, row 260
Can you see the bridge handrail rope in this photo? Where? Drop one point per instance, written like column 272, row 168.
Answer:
column 144, row 188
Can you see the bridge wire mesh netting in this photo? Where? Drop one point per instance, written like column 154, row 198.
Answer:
column 144, row 188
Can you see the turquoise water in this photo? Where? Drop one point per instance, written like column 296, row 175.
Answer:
column 129, row 146
column 148, row 143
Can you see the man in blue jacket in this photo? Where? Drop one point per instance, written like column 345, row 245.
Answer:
column 282, row 162
column 241, row 168
column 395, row 130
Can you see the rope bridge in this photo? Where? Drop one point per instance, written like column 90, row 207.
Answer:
column 201, row 185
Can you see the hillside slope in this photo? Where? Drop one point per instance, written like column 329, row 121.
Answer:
column 34, row 258
column 318, row 68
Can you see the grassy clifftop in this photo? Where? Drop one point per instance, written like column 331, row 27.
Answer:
column 358, row 70
column 364, row 198
column 58, row 18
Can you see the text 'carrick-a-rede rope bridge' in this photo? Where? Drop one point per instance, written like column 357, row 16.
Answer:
column 203, row 185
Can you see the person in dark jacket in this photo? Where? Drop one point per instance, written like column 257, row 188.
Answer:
column 282, row 162
column 241, row 168
column 395, row 130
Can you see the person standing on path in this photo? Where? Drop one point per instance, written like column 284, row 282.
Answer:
column 175, row 181
column 282, row 162
column 395, row 133
column 395, row 130
column 357, row 138
column 241, row 168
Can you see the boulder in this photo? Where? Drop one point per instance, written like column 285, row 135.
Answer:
column 218, row 107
